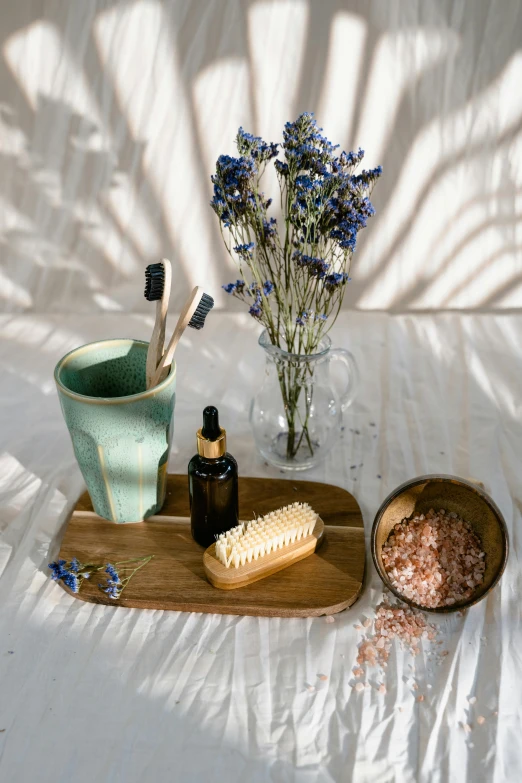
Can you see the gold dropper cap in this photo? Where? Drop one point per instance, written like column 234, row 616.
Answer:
column 211, row 438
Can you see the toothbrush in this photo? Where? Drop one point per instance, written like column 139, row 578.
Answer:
column 196, row 309
column 158, row 279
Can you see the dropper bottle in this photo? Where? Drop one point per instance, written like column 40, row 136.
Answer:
column 213, row 485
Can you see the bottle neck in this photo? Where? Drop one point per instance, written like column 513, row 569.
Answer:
column 212, row 449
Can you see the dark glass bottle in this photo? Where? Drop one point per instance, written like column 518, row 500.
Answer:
column 213, row 488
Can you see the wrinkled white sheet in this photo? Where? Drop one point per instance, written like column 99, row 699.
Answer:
column 90, row 693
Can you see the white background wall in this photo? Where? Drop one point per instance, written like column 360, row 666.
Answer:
column 112, row 115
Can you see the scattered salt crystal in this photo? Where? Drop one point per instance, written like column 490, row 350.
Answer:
column 309, row 687
column 329, row 619
column 393, row 621
column 359, row 686
column 415, row 686
column 322, row 676
column 472, row 700
column 357, row 671
column 420, row 698
column 495, row 713
column 357, row 627
column 480, row 720
column 466, row 727
column 382, row 688
column 429, row 686
column 367, row 622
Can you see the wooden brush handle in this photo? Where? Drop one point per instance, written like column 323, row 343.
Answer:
column 157, row 340
column 188, row 311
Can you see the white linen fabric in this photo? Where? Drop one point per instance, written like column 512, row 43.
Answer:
column 95, row 693
column 113, row 113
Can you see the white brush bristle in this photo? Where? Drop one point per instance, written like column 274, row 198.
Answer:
column 252, row 540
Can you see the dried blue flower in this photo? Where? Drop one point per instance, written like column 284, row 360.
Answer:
column 58, row 570
column 254, row 146
column 245, row 251
column 113, row 590
column 335, row 280
column 268, row 287
column 75, row 565
column 281, row 168
column 305, row 317
column 113, row 573
column 233, row 188
column 269, row 227
column 71, row 580
column 256, row 310
column 316, row 267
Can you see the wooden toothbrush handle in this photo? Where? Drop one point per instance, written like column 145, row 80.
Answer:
column 187, row 312
column 157, row 340
column 153, row 355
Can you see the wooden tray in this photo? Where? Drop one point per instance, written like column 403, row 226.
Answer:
column 324, row 583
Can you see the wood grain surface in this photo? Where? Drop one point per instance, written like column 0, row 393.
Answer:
column 326, row 582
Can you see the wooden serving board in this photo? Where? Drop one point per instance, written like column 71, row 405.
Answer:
column 324, row 583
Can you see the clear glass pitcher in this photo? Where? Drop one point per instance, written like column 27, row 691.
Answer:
column 296, row 414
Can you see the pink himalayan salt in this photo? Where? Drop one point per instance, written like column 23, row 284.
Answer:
column 329, row 619
column 466, row 727
column 359, row 686
column 409, row 626
column 480, row 720
column 367, row 622
column 420, row 698
column 322, row 677
column 357, row 671
column 382, row 688
column 434, row 560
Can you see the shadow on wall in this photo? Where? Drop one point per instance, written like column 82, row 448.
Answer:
column 112, row 115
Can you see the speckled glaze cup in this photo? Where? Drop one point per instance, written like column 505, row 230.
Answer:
column 121, row 432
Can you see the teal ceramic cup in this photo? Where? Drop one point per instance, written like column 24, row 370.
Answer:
column 121, row 432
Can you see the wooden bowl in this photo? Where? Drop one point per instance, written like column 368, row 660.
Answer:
column 469, row 501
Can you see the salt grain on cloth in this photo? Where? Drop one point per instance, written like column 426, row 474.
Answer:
column 407, row 625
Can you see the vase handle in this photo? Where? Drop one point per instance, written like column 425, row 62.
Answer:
column 352, row 387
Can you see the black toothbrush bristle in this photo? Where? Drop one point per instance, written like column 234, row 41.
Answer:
column 154, row 282
column 202, row 310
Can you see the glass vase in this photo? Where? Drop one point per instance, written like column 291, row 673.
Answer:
column 296, row 414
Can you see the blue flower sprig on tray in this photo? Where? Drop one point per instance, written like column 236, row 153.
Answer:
column 72, row 573
column 116, row 583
